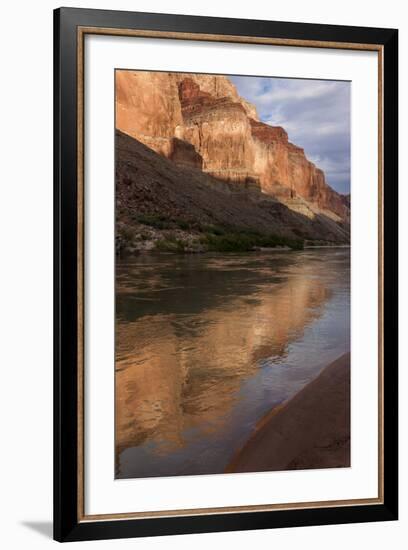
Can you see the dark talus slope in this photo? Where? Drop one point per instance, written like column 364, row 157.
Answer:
column 150, row 184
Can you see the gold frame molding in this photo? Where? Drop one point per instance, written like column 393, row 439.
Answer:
column 81, row 33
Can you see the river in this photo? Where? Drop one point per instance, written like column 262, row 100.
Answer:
column 207, row 344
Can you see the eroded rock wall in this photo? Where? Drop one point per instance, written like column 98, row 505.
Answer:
column 201, row 121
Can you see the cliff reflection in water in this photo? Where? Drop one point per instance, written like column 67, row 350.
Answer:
column 205, row 345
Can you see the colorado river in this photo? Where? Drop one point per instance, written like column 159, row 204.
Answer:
column 207, row 344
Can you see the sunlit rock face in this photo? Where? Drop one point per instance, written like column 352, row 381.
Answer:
column 219, row 86
column 202, row 122
column 270, row 144
column 220, row 131
column 309, row 182
column 147, row 108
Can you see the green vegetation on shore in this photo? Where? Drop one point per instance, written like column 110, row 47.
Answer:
column 181, row 236
column 243, row 241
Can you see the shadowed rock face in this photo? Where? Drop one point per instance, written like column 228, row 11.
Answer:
column 201, row 121
column 184, row 154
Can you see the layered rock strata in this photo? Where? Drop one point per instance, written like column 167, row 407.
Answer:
column 201, row 121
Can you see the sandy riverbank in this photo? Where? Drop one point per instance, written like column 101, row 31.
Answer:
column 311, row 430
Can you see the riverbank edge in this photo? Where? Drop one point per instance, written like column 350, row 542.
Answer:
column 208, row 252
column 309, row 430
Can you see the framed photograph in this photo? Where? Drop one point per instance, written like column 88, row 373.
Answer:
column 225, row 274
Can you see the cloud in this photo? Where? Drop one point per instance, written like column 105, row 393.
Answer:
column 316, row 115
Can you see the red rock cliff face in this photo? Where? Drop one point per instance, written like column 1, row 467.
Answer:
column 201, row 121
column 219, row 128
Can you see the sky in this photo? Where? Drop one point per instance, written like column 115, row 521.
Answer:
column 316, row 115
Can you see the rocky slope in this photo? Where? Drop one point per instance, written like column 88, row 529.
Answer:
column 158, row 200
column 201, row 122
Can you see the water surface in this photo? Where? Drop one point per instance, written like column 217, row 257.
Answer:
column 207, row 344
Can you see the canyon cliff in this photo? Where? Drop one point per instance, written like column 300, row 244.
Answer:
column 165, row 205
column 200, row 122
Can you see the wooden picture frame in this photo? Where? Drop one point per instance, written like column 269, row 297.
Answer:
column 70, row 28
